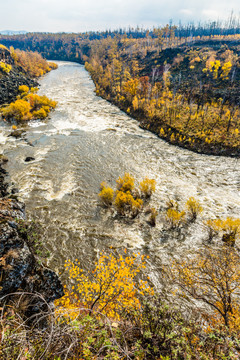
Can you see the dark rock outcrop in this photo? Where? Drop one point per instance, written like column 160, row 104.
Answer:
column 17, row 133
column 10, row 82
column 29, row 158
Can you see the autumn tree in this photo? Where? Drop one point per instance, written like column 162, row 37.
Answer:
column 212, row 278
column 109, row 288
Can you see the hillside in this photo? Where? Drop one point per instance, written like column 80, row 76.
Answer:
column 11, row 77
column 188, row 94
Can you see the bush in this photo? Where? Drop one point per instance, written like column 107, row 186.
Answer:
column 5, row 67
column 126, row 183
column 147, row 187
column 23, row 89
column 128, row 199
column 153, row 215
column 3, row 47
column 106, row 195
column 19, row 110
column 52, row 65
column 175, row 218
column 194, row 208
column 229, row 229
column 29, row 106
column 125, row 203
column 39, row 114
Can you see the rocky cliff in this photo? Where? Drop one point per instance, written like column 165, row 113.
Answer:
column 10, row 81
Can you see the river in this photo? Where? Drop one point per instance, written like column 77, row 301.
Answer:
column 86, row 141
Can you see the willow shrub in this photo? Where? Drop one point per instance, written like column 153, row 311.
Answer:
column 125, row 203
column 175, row 218
column 106, row 195
column 147, row 187
column 228, row 229
column 194, row 208
column 6, row 68
column 128, row 198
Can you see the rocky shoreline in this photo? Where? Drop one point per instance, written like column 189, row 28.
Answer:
column 198, row 146
column 20, row 269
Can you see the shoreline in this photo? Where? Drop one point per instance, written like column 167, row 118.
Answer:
column 155, row 126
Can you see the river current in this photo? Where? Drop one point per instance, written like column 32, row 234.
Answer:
column 86, row 141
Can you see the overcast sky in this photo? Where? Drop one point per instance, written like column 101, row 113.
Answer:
column 85, row 15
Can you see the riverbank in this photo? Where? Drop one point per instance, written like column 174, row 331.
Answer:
column 173, row 136
column 21, row 270
column 188, row 96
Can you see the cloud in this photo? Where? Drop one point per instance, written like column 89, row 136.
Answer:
column 82, row 15
column 186, row 12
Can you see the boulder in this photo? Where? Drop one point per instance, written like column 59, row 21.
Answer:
column 29, row 158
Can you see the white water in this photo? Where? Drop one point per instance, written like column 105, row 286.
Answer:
column 87, row 140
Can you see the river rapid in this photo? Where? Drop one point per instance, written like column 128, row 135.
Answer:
column 86, row 141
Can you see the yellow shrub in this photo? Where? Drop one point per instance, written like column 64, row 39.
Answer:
column 229, row 229
column 109, row 289
column 3, row 47
column 5, row 67
column 106, row 195
column 125, row 203
column 147, row 187
column 19, row 110
column 193, row 207
column 23, row 89
column 34, row 90
column 174, row 217
column 40, row 114
column 37, row 101
column 29, row 106
column 52, row 65
column 46, row 109
column 126, row 183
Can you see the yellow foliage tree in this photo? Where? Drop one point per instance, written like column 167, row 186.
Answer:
column 109, row 289
column 211, row 276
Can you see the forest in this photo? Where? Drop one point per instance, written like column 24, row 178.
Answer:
column 180, row 82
